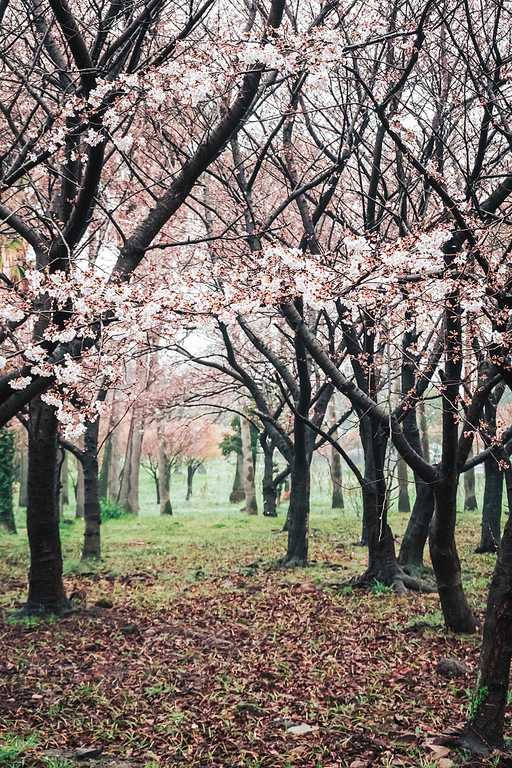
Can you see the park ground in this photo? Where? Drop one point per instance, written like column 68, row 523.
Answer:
column 190, row 647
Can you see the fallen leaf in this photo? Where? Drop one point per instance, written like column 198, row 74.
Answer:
column 298, row 730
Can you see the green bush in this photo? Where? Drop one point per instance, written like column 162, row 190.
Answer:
column 111, row 510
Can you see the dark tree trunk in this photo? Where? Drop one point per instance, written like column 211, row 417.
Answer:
column 416, row 534
column 61, row 457
column 269, row 488
column 470, row 502
column 404, row 504
column 22, row 500
column 7, row 522
column 335, row 465
column 64, row 478
column 105, row 469
column 425, row 448
column 445, row 559
column 493, row 492
column 191, row 470
column 80, row 491
column 298, row 511
column 336, row 476
column 485, row 727
column 443, row 550
column 46, row 589
column 92, row 512
column 382, row 563
column 238, row 494
column 491, row 508
column 156, row 480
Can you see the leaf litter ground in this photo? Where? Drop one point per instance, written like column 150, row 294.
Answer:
column 223, row 672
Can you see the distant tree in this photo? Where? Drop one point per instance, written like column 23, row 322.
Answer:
column 232, row 443
column 7, row 472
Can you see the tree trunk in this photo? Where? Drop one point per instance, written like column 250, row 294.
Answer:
column 269, row 488
column 485, row 727
column 335, row 464
column 297, row 520
column 124, row 482
column 7, row 522
column 470, row 502
column 251, row 505
column 105, row 469
column 416, row 534
column 61, row 456
column 163, row 477
column 80, row 492
column 132, row 500
column 382, row 563
column 491, row 508
column 445, row 559
column 46, row 589
column 23, row 448
column 337, row 479
column 115, row 458
column 238, row 494
column 404, row 504
column 64, row 479
column 425, row 448
column 92, row 512
column 191, row 470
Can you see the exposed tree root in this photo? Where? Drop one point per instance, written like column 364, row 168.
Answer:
column 396, row 578
column 62, row 608
column 473, row 743
column 417, row 570
column 292, row 562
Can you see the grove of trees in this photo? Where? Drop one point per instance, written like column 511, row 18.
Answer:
column 231, row 206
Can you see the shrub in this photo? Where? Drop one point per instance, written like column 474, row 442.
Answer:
column 111, row 510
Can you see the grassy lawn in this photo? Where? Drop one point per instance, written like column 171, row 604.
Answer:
column 191, row 647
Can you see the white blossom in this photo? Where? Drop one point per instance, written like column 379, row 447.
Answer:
column 21, row 382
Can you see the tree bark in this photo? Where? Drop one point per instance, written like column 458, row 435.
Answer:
column 425, row 447
column 335, row 466
column 23, row 447
column 251, row 505
column 124, row 482
column 115, row 458
column 486, row 721
column 92, row 511
column 298, row 511
column 238, row 494
column 132, row 500
column 64, row 478
column 416, row 534
column 46, row 593
column 404, row 504
column 269, row 488
column 491, row 508
column 80, row 491
column 470, row 502
column 163, row 477
column 7, row 522
column 103, row 481
column 191, row 470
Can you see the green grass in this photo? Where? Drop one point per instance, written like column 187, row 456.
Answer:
column 13, row 750
column 206, row 537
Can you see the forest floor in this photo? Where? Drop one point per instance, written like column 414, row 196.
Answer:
column 197, row 650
